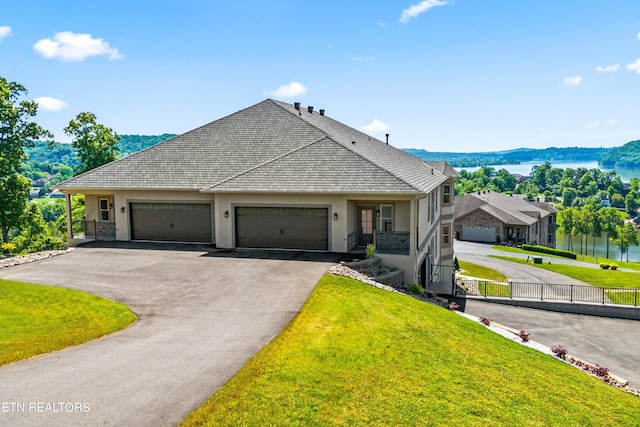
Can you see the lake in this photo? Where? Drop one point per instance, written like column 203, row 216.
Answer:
column 601, row 248
column 524, row 168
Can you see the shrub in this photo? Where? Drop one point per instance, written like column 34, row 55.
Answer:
column 600, row 371
column 559, row 351
column 550, row 251
column 524, row 336
column 485, row 321
column 614, row 267
column 416, row 289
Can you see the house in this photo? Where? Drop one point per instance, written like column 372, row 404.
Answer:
column 276, row 175
column 488, row 216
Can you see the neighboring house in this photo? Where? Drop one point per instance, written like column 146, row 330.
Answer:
column 487, row 216
column 276, row 175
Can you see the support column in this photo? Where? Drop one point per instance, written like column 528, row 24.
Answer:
column 67, row 208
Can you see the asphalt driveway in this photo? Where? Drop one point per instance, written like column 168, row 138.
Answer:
column 202, row 315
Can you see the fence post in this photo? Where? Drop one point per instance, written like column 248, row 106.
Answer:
column 635, row 298
column 510, row 290
column 542, row 292
column 571, row 292
column 603, row 295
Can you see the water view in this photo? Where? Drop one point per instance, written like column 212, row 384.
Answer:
column 600, row 248
column 525, row 168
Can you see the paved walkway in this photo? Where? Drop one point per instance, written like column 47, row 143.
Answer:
column 201, row 317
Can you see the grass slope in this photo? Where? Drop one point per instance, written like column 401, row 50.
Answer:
column 39, row 319
column 482, row 272
column 357, row 355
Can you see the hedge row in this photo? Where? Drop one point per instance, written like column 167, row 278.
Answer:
column 551, row 251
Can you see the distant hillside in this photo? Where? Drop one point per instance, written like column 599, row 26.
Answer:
column 627, row 155
column 59, row 153
column 551, row 154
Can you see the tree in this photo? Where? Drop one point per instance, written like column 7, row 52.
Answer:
column 566, row 223
column 627, row 236
column 17, row 132
column 568, row 196
column 610, row 219
column 582, row 222
column 631, row 202
column 96, row 144
column 14, row 190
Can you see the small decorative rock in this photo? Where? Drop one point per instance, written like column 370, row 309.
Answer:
column 25, row 259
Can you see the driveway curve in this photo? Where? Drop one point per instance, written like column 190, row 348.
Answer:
column 202, row 315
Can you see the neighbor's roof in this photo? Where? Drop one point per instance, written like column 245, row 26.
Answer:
column 510, row 209
column 269, row 147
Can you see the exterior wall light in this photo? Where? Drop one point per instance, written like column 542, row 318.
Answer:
column 335, row 216
column 226, row 214
column 122, row 209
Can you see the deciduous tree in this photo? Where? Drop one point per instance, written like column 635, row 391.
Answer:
column 95, row 143
column 17, row 131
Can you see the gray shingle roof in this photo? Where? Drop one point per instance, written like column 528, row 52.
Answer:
column 268, row 147
column 512, row 210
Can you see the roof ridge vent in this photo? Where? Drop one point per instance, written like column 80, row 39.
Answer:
column 296, row 105
column 310, row 109
column 322, row 112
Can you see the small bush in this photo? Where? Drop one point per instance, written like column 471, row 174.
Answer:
column 524, row 336
column 416, row 289
column 559, row 351
column 614, row 267
column 485, row 321
column 600, row 371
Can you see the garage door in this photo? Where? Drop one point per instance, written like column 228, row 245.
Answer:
column 174, row 222
column 279, row 227
column 478, row 234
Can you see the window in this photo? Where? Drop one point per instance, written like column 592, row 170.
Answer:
column 446, row 236
column 104, row 209
column 446, row 194
column 386, row 217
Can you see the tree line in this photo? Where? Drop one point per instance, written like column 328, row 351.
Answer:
column 23, row 225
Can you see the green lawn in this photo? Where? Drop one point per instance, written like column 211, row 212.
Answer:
column 479, row 271
column 584, row 258
column 39, row 319
column 358, row 355
column 593, row 276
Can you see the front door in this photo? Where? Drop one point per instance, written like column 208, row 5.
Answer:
column 366, row 225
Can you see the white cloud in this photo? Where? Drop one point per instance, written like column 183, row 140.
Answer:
column 376, row 126
column 608, row 69
column 362, row 58
column 4, row 32
column 572, row 81
column 419, row 8
column 70, row 46
column 610, row 122
column 639, row 35
column 290, row 90
column 635, row 66
column 47, row 103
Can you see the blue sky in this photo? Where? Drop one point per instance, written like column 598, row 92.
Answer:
column 462, row 76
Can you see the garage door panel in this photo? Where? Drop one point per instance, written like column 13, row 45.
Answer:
column 282, row 227
column 179, row 222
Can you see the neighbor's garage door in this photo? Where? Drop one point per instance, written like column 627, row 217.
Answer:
column 279, row 227
column 478, row 234
column 175, row 222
